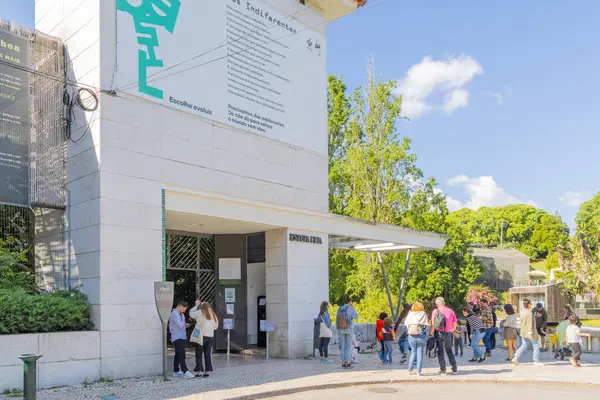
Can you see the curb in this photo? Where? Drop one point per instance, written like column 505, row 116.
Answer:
column 338, row 385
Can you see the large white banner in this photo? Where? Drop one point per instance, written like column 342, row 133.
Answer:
column 239, row 62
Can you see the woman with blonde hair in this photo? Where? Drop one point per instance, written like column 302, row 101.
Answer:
column 203, row 336
column 416, row 322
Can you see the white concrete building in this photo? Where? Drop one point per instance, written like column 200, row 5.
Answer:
column 211, row 123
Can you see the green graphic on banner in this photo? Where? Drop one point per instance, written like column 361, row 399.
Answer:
column 146, row 18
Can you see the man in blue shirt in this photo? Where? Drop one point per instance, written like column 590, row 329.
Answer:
column 177, row 326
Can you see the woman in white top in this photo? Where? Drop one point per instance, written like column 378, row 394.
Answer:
column 206, row 323
column 416, row 322
column 510, row 330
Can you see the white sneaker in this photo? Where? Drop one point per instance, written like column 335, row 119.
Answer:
column 189, row 375
column 515, row 361
column 177, row 374
column 538, row 364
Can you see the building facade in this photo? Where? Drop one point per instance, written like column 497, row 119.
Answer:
column 210, row 129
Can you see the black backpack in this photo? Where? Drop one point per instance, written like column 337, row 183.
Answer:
column 439, row 322
column 431, row 347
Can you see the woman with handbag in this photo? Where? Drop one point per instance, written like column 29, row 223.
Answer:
column 416, row 322
column 325, row 332
column 203, row 336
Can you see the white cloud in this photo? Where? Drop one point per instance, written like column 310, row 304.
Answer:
column 447, row 77
column 573, row 199
column 458, row 98
column 499, row 97
column 481, row 192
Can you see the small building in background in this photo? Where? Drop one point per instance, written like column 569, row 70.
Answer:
column 549, row 294
column 504, row 268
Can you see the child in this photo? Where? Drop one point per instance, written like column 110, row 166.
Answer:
column 458, row 340
column 378, row 327
column 355, row 349
column 389, row 338
column 574, row 340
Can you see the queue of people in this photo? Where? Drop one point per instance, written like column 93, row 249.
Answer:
column 441, row 332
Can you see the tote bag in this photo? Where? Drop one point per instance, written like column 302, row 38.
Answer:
column 324, row 331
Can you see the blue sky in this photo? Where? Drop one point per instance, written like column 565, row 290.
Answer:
column 502, row 95
column 529, row 131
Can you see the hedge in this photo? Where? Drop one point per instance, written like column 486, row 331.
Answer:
column 23, row 312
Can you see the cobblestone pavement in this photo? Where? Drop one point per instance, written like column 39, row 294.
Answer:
column 248, row 377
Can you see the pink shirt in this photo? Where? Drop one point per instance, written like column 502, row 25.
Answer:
column 450, row 317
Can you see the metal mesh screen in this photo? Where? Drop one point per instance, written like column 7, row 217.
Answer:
column 43, row 131
column 48, row 141
column 191, row 265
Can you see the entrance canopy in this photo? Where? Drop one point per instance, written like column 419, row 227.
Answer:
column 207, row 212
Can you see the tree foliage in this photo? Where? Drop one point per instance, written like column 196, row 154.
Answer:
column 588, row 221
column 526, row 228
column 14, row 271
column 374, row 176
column 579, row 259
column 579, row 269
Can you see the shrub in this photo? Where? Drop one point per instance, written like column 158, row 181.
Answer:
column 14, row 272
column 23, row 312
column 478, row 292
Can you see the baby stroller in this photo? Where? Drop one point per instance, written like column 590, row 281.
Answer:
column 559, row 341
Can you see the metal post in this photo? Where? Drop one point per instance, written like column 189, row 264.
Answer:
column 403, row 283
column 387, row 287
column 268, row 345
column 29, row 375
column 164, row 342
column 228, row 342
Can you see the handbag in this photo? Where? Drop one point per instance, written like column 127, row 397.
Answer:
column 196, row 336
column 324, row 331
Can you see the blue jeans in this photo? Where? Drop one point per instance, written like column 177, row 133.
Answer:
column 487, row 340
column 389, row 348
column 417, row 345
column 477, row 334
column 535, row 343
column 346, row 347
column 403, row 345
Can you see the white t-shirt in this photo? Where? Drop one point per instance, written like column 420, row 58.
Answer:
column 572, row 334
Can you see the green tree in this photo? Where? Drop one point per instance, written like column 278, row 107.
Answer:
column 579, row 268
column 526, row 228
column 374, row 176
column 588, row 221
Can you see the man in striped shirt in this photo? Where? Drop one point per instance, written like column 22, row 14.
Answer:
column 477, row 332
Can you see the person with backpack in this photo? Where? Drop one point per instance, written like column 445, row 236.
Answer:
column 416, row 322
column 444, row 322
column 345, row 318
column 379, row 335
column 389, row 338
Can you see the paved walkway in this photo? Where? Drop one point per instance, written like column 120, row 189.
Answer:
column 248, row 377
column 432, row 391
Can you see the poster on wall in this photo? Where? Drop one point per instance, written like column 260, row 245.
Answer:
column 230, row 309
column 242, row 63
column 230, row 271
column 15, row 126
column 230, row 295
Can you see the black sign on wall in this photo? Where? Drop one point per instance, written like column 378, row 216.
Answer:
column 15, row 125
